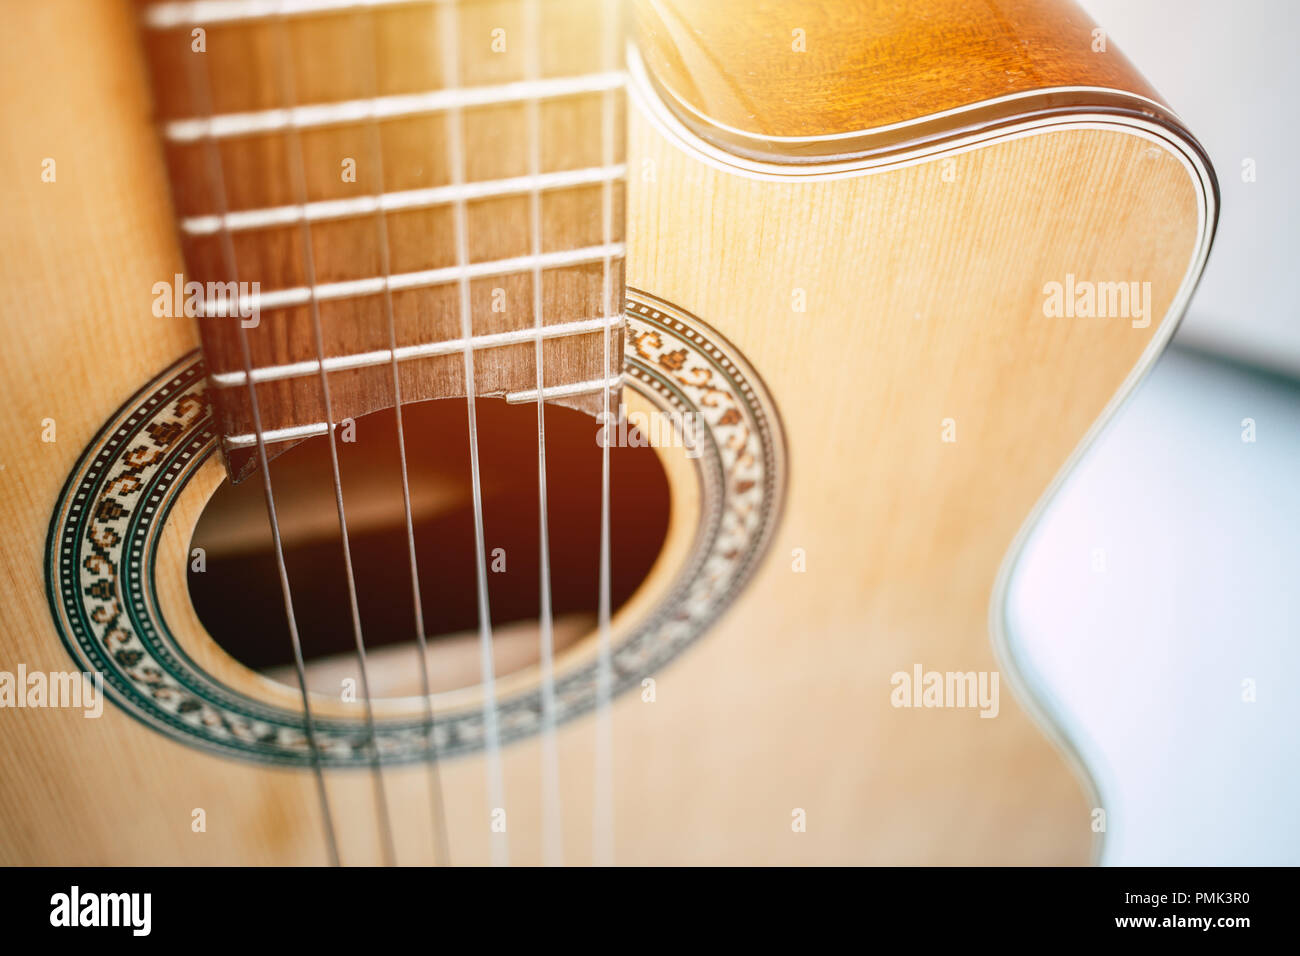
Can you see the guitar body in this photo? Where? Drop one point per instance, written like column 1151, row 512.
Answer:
column 910, row 397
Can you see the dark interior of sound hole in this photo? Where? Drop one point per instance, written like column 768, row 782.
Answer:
column 238, row 596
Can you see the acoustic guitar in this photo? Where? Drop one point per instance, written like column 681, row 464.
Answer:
column 557, row 431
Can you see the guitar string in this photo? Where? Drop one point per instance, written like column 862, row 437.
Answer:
column 552, row 813
column 200, row 89
column 448, row 24
column 441, row 848
column 603, row 818
column 298, row 173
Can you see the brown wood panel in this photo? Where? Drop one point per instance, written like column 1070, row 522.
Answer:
column 742, row 73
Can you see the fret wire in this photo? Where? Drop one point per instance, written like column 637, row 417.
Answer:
column 299, row 175
column 172, row 14
column 528, row 396
column 395, row 106
column 338, row 363
column 447, row 21
column 273, row 435
column 355, row 288
column 565, row 391
column 200, row 86
column 323, row 210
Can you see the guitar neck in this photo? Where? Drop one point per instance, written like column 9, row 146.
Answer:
column 367, row 192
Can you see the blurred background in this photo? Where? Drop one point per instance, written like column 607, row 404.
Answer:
column 1156, row 608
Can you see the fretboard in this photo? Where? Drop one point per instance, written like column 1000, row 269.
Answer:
column 397, row 178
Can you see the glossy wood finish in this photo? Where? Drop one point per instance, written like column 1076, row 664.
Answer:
column 798, row 82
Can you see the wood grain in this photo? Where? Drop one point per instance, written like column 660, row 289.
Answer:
column 861, row 77
column 923, row 302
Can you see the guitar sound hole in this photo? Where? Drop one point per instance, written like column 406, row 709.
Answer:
column 238, row 596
